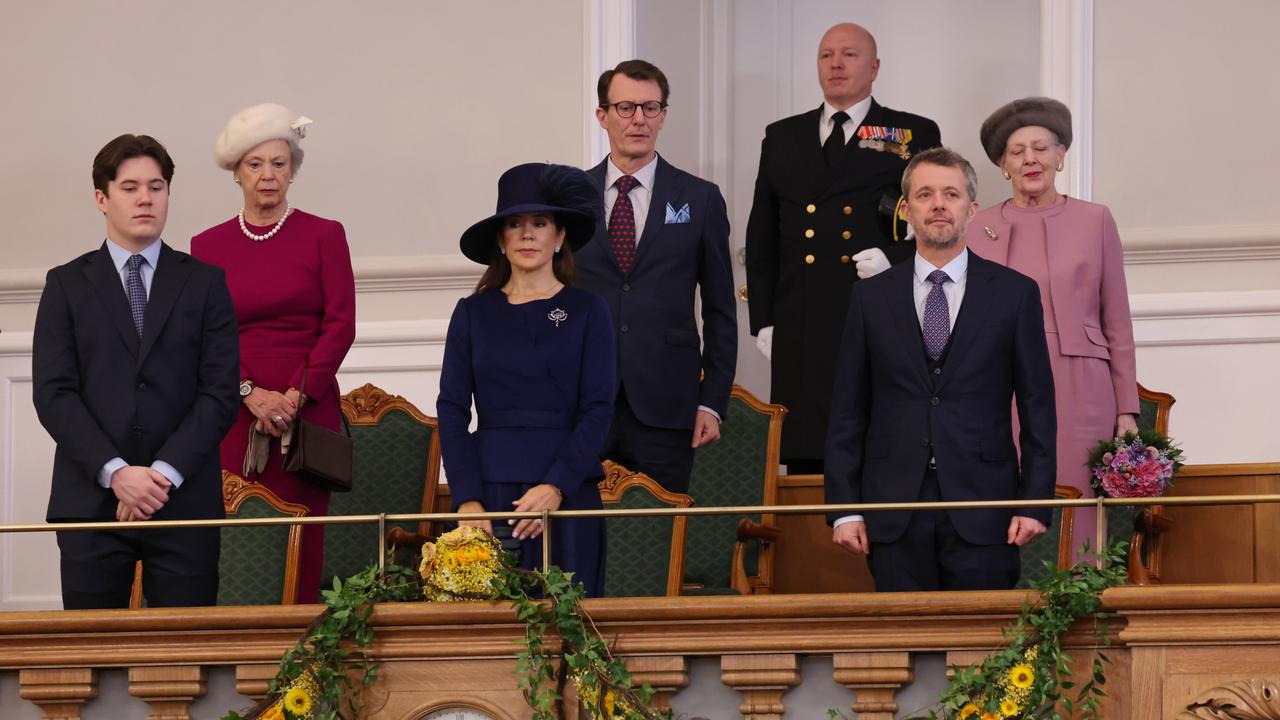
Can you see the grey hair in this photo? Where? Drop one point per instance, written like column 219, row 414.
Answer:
column 946, row 157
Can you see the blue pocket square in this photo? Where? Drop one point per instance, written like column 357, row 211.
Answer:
column 680, row 216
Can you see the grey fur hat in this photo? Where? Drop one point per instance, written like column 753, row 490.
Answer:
column 1042, row 111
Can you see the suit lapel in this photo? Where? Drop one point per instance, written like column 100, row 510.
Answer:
column 974, row 307
column 902, row 304
column 810, row 155
column 664, row 191
column 170, row 276
column 102, row 275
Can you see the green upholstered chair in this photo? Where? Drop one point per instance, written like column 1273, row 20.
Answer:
column 1052, row 547
column 396, row 470
column 1145, row 527
column 258, row 564
column 732, row 554
column 646, row 554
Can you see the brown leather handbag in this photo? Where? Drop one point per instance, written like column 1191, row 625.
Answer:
column 317, row 454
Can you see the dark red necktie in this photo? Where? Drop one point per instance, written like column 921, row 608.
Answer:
column 622, row 224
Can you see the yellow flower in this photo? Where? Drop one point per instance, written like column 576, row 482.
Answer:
column 968, row 711
column 988, row 716
column 275, row 712
column 609, row 700
column 1009, row 708
column 298, row 700
column 1022, row 676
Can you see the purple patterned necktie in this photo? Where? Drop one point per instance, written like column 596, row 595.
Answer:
column 137, row 292
column 937, row 317
column 622, row 224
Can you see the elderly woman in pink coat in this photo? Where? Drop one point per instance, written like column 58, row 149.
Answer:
column 1072, row 249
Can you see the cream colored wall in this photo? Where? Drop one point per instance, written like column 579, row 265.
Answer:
column 418, row 106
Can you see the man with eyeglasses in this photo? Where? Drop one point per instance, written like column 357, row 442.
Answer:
column 662, row 244
column 823, row 216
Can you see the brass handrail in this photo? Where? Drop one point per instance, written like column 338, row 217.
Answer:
column 848, row 508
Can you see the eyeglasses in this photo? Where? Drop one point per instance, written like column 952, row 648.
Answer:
column 626, row 109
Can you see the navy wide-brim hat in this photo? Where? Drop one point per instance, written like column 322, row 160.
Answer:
column 563, row 191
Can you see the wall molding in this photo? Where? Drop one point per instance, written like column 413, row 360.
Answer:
column 609, row 27
column 1200, row 243
column 1066, row 73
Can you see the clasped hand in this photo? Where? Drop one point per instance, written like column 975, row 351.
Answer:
column 274, row 411
column 536, row 499
column 140, row 492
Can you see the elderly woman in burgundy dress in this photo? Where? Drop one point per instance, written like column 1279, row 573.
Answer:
column 1072, row 249
column 294, row 294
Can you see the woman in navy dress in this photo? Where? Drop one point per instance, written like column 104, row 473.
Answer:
column 537, row 356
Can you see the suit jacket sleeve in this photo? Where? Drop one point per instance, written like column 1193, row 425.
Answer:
column 55, row 372
column 338, row 326
column 719, row 313
column 579, row 457
column 453, row 406
column 1117, row 324
column 1034, row 397
column 762, row 247
column 194, row 443
column 847, row 430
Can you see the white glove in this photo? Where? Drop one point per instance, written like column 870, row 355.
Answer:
column 871, row 261
column 764, row 341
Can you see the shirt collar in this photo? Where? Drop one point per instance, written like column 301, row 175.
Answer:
column 644, row 175
column 857, row 112
column 120, row 256
column 955, row 269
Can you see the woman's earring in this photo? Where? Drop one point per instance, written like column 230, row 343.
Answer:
column 1007, row 176
column 1059, row 167
column 557, row 249
column 237, row 180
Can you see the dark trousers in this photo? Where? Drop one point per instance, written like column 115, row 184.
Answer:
column 931, row 555
column 663, row 454
column 803, row 466
column 179, row 567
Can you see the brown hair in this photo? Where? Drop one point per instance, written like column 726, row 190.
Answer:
column 945, row 157
column 499, row 270
column 636, row 70
column 127, row 147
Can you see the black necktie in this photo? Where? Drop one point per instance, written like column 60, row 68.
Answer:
column 833, row 148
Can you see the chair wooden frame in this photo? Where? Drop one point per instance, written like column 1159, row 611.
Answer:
column 618, row 479
column 1151, row 523
column 235, row 490
column 367, row 405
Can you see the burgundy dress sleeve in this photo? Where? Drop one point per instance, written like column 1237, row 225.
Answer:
column 338, row 324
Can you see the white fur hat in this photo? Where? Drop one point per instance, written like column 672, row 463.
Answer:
column 253, row 126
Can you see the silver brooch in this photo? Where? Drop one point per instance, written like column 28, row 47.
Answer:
column 557, row 316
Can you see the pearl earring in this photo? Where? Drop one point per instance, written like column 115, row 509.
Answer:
column 557, row 249
column 1007, row 176
column 237, row 180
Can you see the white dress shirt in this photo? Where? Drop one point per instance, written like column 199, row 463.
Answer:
column 857, row 113
column 151, row 258
column 958, row 271
column 641, row 194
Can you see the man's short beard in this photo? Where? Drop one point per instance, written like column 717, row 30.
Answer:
column 941, row 244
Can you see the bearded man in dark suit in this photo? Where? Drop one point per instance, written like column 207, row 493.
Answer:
column 934, row 355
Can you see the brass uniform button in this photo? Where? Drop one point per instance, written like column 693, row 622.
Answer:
column 808, row 259
column 848, row 210
column 808, row 233
column 846, row 234
column 844, row 259
column 811, row 208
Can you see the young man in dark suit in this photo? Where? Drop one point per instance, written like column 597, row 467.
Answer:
column 935, row 353
column 822, row 217
column 663, row 244
column 135, row 371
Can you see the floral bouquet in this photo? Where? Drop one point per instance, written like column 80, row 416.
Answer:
column 461, row 565
column 1011, row 693
column 1135, row 465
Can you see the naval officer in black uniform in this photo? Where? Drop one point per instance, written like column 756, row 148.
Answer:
column 824, row 214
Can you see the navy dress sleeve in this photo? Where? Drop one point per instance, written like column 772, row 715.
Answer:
column 453, row 408
column 579, row 457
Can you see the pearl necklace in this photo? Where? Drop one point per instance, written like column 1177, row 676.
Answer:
column 269, row 234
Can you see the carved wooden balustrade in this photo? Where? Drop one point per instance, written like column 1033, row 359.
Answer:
column 1177, row 651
